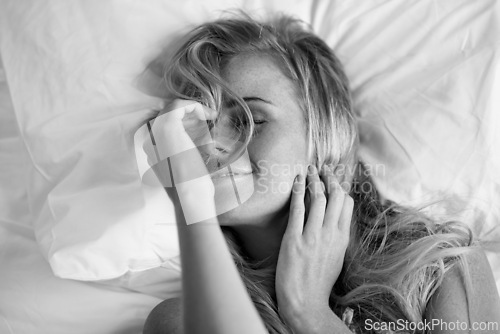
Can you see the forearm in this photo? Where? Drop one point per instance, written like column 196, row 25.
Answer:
column 215, row 299
column 311, row 321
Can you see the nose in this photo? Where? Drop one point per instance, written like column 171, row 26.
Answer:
column 227, row 142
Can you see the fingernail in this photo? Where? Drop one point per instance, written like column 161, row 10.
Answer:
column 299, row 178
column 311, row 169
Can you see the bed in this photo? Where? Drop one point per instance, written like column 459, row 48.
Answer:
column 87, row 247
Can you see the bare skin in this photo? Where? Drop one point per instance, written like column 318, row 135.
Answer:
column 452, row 302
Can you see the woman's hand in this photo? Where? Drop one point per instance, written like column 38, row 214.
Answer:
column 312, row 252
column 180, row 135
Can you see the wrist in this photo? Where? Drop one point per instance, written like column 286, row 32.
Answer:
column 318, row 319
column 306, row 319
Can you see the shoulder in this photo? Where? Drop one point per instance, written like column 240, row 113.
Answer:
column 456, row 300
column 166, row 318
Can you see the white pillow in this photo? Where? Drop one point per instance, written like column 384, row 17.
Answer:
column 71, row 68
column 420, row 71
column 422, row 75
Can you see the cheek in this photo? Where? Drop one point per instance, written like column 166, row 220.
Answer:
column 276, row 161
column 276, row 164
column 285, row 144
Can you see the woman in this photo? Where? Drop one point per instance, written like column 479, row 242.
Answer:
column 316, row 249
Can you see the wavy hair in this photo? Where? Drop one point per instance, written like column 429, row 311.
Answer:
column 397, row 256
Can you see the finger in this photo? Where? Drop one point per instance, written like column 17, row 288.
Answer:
column 178, row 103
column 346, row 215
column 204, row 113
column 171, row 135
column 336, row 198
column 196, row 126
column 176, row 110
column 179, row 109
column 315, row 188
column 194, row 118
column 325, row 175
column 297, row 208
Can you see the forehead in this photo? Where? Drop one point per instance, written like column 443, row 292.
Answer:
column 259, row 75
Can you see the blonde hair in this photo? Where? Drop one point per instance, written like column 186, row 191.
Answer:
column 397, row 256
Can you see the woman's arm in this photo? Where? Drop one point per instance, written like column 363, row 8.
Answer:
column 452, row 304
column 316, row 321
column 214, row 298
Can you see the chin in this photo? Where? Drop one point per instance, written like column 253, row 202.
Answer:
column 242, row 200
column 258, row 210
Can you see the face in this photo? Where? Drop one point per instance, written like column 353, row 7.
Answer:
column 278, row 149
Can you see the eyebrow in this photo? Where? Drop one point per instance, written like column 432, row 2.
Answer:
column 254, row 98
column 232, row 103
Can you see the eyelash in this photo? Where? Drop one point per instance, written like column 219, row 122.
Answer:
column 259, row 121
